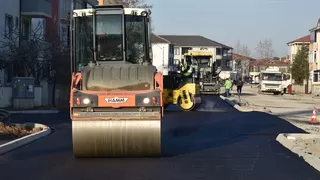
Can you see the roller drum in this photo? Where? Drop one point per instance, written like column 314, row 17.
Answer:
column 116, row 138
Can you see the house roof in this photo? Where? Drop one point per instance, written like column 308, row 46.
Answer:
column 158, row 39
column 238, row 57
column 192, row 40
column 304, row 39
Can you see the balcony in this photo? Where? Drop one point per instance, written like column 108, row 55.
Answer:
column 36, row 9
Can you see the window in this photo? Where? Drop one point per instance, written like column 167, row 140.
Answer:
column 109, row 37
column 185, row 49
column 84, row 44
column 176, row 51
column 225, row 52
column 137, row 51
column 316, row 76
column 17, row 23
column 68, row 35
column 8, row 26
column 313, row 37
column 25, row 29
column 218, row 51
column 272, row 76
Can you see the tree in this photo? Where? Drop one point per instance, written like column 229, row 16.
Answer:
column 35, row 55
column 300, row 65
column 265, row 48
column 243, row 64
column 139, row 4
column 24, row 55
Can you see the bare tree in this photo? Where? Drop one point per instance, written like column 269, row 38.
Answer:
column 24, row 55
column 237, row 48
column 265, row 48
column 242, row 64
column 139, row 4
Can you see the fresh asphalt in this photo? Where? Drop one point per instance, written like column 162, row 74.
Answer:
column 216, row 143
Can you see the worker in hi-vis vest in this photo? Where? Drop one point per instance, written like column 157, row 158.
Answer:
column 189, row 72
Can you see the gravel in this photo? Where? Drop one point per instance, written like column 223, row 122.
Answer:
column 14, row 131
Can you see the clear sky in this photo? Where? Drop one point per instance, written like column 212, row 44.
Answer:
column 228, row 21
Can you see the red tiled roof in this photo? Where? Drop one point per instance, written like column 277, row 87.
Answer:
column 269, row 62
column 238, row 57
column 305, row 39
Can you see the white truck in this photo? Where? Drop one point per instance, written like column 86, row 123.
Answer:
column 274, row 81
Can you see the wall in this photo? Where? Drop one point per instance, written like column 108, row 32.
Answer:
column 160, row 53
column 12, row 8
column 316, row 89
column 293, row 49
column 299, row 89
column 43, row 96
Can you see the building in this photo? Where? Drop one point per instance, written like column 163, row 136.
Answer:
column 263, row 64
column 58, row 26
column 105, row 2
column 314, row 58
column 9, row 22
column 17, row 24
column 182, row 43
column 163, row 54
column 295, row 45
column 240, row 64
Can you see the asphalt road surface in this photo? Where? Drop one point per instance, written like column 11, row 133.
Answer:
column 220, row 143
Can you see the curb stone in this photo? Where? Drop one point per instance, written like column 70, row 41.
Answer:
column 12, row 145
column 239, row 108
column 35, row 112
column 287, row 140
column 235, row 105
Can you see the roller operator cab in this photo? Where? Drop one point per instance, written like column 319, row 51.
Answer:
column 116, row 93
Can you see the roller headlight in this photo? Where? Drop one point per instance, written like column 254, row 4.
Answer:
column 86, row 101
column 146, row 100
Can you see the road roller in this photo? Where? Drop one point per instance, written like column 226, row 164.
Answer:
column 116, row 104
column 182, row 88
column 178, row 90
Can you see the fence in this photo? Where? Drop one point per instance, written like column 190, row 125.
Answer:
column 43, row 96
column 300, row 89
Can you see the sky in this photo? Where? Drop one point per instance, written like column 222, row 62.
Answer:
column 230, row 21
